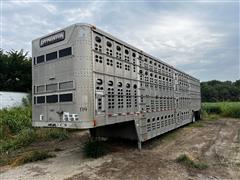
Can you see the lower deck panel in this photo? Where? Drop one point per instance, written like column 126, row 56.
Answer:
column 144, row 128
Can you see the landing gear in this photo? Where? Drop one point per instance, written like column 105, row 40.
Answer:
column 139, row 145
column 193, row 117
column 196, row 115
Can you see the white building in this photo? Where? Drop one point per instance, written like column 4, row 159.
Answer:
column 11, row 99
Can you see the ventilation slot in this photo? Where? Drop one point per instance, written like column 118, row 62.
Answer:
column 51, row 56
column 98, row 46
column 65, row 52
column 40, row 99
column 66, row 85
column 51, row 87
column 66, row 97
column 40, row 59
column 52, row 99
column 98, row 59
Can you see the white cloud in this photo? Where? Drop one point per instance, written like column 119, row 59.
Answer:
column 19, row 3
column 180, row 39
column 30, row 6
column 23, row 22
column 82, row 14
column 183, row 39
column 50, row 8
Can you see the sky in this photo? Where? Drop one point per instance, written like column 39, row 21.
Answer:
column 198, row 37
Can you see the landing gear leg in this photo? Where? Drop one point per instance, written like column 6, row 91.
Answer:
column 193, row 117
column 139, row 145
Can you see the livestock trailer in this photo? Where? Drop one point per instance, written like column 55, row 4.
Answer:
column 85, row 78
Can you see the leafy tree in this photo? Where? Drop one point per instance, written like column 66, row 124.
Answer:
column 213, row 91
column 15, row 71
column 237, row 83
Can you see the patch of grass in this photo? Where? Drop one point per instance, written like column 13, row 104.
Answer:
column 27, row 136
column 59, row 134
column 31, row 157
column 16, row 130
column 22, row 139
column 231, row 110
column 211, row 117
column 52, row 133
column 14, row 120
column 94, row 148
column 196, row 124
column 186, row 161
column 226, row 109
column 17, row 134
column 4, row 159
column 172, row 135
column 212, row 108
column 169, row 136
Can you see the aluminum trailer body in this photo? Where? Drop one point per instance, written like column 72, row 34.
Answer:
column 84, row 78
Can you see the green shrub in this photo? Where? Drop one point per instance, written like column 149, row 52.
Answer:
column 25, row 137
column 7, row 145
column 94, row 148
column 15, row 119
column 4, row 131
column 186, row 161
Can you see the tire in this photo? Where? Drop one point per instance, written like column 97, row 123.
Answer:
column 198, row 115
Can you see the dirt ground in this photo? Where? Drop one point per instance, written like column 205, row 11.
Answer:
column 216, row 143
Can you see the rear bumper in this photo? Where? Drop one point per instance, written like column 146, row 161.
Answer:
column 70, row 125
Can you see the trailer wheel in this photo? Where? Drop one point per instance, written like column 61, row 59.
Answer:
column 198, row 115
column 193, row 117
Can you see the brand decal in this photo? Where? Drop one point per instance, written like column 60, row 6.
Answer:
column 54, row 38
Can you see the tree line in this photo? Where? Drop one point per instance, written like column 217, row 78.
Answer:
column 15, row 71
column 215, row 91
column 15, row 75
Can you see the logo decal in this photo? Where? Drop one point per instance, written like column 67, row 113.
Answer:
column 54, row 38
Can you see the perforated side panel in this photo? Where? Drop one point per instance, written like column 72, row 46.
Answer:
column 141, row 88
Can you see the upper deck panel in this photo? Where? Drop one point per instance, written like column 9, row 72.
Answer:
column 99, row 31
column 37, row 50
